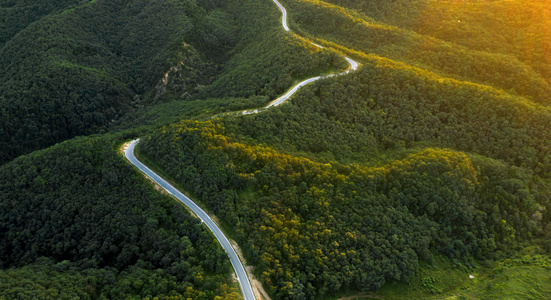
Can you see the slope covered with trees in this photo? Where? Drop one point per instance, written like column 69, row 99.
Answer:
column 78, row 69
column 268, row 60
column 75, row 70
column 15, row 15
column 77, row 221
column 516, row 75
column 263, row 64
column 314, row 228
column 519, row 28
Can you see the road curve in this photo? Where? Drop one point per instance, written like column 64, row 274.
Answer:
column 352, row 65
column 244, row 283
column 283, row 15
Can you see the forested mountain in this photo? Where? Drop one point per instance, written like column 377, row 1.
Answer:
column 82, row 240
column 518, row 28
column 263, row 64
column 434, row 156
column 75, row 70
column 18, row 14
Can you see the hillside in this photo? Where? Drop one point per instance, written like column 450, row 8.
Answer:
column 73, row 71
column 363, row 179
column 504, row 71
column 117, row 253
column 429, row 163
column 16, row 15
column 517, row 28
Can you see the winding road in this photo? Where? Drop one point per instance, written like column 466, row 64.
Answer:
column 244, row 282
column 283, row 15
column 352, row 65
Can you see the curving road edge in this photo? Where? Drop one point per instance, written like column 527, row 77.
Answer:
column 352, row 65
column 244, row 283
column 283, row 15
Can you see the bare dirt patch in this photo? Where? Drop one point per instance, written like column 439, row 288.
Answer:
column 361, row 296
column 123, row 148
column 258, row 290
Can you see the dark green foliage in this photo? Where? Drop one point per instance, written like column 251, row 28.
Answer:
column 265, row 68
column 316, row 228
column 81, row 202
column 389, row 106
column 167, row 113
column 73, row 72
column 65, row 280
column 365, row 177
column 15, row 15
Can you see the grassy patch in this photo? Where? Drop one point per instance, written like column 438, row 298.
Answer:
column 444, row 277
column 526, row 276
column 521, row 282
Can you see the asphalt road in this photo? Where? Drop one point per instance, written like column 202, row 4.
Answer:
column 244, row 283
column 284, row 15
column 353, row 65
column 287, row 95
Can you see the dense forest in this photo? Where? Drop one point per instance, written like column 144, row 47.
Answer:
column 434, row 154
column 518, row 28
column 265, row 62
column 75, row 71
column 314, row 228
column 18, row 14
